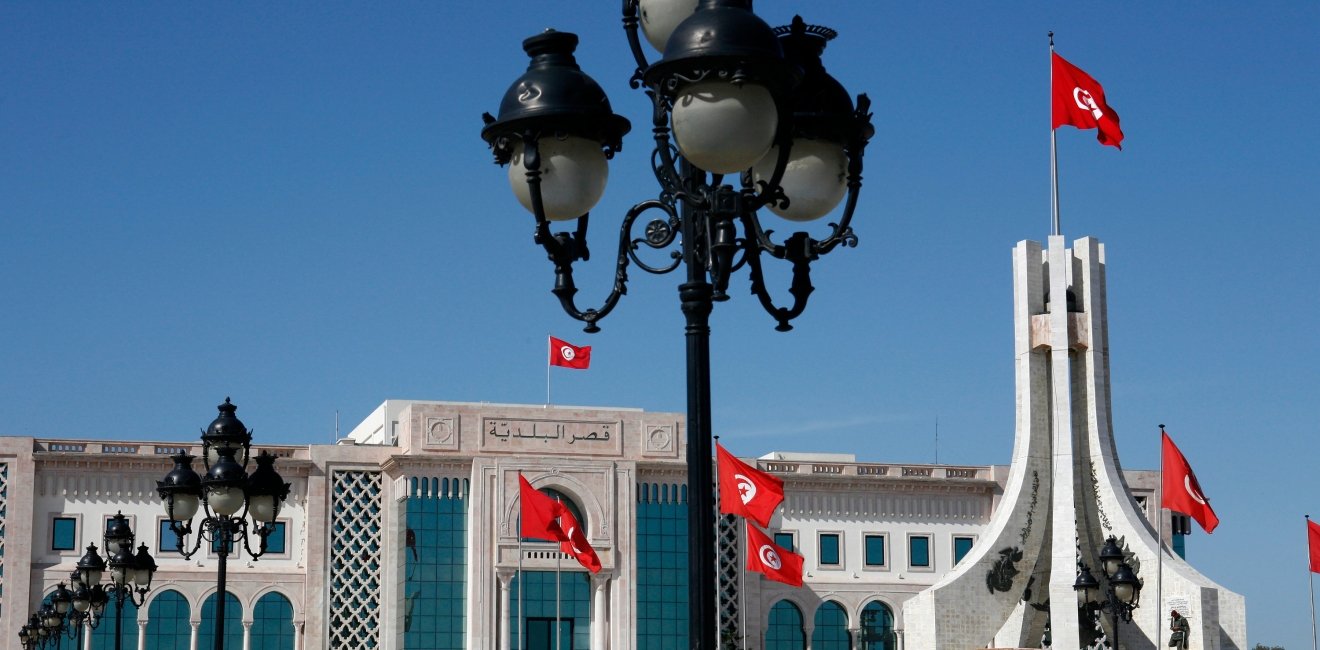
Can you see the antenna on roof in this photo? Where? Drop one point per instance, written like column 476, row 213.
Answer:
column 937, row 440
column 336, row 440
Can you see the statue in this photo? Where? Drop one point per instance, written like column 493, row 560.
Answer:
column 1181, row 630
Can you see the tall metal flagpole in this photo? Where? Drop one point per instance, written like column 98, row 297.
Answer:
column 1054, row 155
column 1310, row 579
column 548, row 354
column 522, row 642
column 559, row 555
column 1159, row 542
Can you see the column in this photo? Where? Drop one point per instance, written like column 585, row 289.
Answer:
column 599, row 630
column 505, row 576
column 142, row 636
column 196, row 627
column 855, row 638
column 247, row 635
column 298, row 636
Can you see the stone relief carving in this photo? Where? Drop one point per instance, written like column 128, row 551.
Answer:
column 1000, row 576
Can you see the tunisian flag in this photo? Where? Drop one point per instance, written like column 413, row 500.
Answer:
column 778, row 564
column 1182, row 492
column 539, row 513
column 1313, row 543
column 746, row 491
column 567, row 355
column 576, row 544
column 1078, row 100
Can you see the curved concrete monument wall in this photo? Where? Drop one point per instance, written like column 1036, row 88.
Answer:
column 1066, row 493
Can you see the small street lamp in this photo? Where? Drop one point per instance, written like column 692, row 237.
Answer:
column 1122, row 591
column 227, row 497
column 130, row 576
column 743, row 117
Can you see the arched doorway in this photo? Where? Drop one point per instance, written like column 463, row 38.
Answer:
column 877, row 627
column 785, row 629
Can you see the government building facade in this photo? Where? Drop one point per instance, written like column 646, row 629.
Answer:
column 404, row 535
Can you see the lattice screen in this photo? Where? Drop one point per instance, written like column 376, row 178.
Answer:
column 4, row 510
column 355, row 549
column 729, row 534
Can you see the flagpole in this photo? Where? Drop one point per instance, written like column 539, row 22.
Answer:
column 1054, row 155
column 558, row 557
column 720, row 573
column 742, row 587
column 547, row 370
column 1310, row 579
column 522, row 643
column 1159, row 543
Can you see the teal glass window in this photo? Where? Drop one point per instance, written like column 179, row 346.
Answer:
column 877, row 627
column 275, row 541
column 168, row 541
column 167, row 622
column 831, row 631
column 785, row 629
column 233, row 624
column 874, row 550
column 64, row 534
column 919, row 551
column 662, row 566
column 829, row 549
column 574, row 610
column 785, row 541
column 104, row 635
column 272, row 623
column 961, row 546
column 435, row 563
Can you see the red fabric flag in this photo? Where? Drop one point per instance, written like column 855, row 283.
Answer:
column 568, row 355
column 539, row 513
column 577, row 545
column 1078, row 100
column 1313, row 544
column 746, row 491
column 1182, row 492
column 778, row 564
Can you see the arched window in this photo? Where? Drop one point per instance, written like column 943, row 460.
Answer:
column 785, row 630
column 272, row 623
column 167, row 622
column 233, row 627
column 877, row 627
column 104, row 634
column 831, row 631
column 568, row 503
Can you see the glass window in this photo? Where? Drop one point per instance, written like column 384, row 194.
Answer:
column 168, row 542
column 275, row 542
column 272, row 623
column 785, row 630
column 831, row 631
column 961, row 545
column 829, row 549
column 784, row 540
column 875, row 550
column 64, row 534
column 167, row 623
column 232, row 629
column 877, row 627
column 919, row 551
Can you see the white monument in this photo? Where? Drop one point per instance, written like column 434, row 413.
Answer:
column 1065, row 494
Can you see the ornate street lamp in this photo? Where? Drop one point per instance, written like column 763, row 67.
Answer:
column 129, row 575
column 227, row 497
column 739, row 98
column 1122, row 592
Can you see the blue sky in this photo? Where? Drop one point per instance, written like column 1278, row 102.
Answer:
column 290, row 204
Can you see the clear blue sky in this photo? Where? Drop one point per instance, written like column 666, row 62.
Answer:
column 290, row 204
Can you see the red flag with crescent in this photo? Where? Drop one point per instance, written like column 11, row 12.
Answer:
column 1078, row 100
column 1313, row 544
column 746, row 491
column 1182, row 492
column 567, row 355
column 775, row 562
column 577, row 544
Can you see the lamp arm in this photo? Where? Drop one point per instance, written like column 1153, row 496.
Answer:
column 630, row 28
column 800, row 251
column 184, row 529
column 855, row 149
column 263, row 532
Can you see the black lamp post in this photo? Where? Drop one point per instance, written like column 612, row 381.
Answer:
column 227, row 496
column 130, row 576
column 740, row 99
column 1122, row 591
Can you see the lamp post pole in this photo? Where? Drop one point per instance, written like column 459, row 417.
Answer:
column 741, row 100
column 130, row 576
column 233, row 504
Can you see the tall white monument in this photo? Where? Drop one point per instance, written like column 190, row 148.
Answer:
column 1065, row 494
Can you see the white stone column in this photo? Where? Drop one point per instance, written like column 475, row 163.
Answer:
column 247, row 635
column 599, row 630
column 192, row 642
column 142, row 637
column 505, row 577
column 298, row 636
column 855, row 637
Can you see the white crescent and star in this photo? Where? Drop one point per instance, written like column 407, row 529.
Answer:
column 1086, row 102
column 1187, row 484
column 770, row 558
column 746, row 488
column 571, row 545
column 567, row 353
